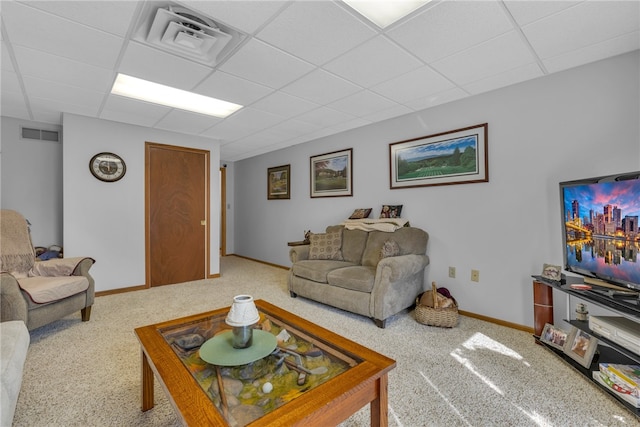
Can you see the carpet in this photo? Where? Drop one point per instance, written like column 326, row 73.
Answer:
column 476, row 374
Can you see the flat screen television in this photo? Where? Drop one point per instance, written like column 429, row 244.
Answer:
column 601, row 237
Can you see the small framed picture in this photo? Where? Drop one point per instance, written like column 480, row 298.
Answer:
column 555, row 337
column 551, row 272
column 331, row 174
column 278, row 180
column 580, row 346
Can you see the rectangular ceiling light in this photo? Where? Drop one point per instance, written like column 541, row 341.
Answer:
column 144, row 90
column 385, row 12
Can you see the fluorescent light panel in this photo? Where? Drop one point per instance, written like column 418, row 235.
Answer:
column 144, row 90
column 385, row 12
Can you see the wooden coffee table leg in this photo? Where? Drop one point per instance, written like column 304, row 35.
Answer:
column 147, row 384
column 380, row 406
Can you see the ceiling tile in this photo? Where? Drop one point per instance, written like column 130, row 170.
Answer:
column 587, row 23
column 46, row 89
column 109, row 16
column 321, row 87
column 127, row 110
column 59, row 36
column 45, row 110
column 415, row 84
column 395, row 111
column 186, row 122
column 284, row 105
column 44, row 66
column 5, row 62
column 263, row 64
column 250, row 121
column 142, row 62
column 450, row 27
column 232, row 89
column 513, row 76
column 595, row 52
column 362, row 103
column 325, row 117
column 526, row 12
column 236, row 13
column 448, row 95
column 323, row 30
column 493, row 57
column 373, row 62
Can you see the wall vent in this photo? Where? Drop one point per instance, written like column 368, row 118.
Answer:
column 40, row 134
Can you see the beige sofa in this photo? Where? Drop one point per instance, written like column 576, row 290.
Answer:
column 372, row 273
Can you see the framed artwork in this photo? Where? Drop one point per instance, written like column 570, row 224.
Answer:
column 278, row 182
column 580, row 346
column 331, row 174
column 456, row 157
column 551, row 272
column 555, row 337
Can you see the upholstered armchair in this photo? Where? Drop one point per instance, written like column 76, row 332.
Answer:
column 39, row 292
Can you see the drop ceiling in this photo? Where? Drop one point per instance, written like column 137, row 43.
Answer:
column 303, row 69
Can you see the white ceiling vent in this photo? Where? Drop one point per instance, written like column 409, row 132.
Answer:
column 39, row 134
column 186, row 33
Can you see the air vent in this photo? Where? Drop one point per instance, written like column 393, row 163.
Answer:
column 40, row 134
column 186, row 33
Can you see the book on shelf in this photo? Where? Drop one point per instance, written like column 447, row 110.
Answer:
column 617, row 387
column 627, row 377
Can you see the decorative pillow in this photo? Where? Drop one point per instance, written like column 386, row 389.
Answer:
column 326, row 246
column 360, row 213
column 391, row 211
column 389, row 248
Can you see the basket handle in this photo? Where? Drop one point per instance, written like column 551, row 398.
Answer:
column 434, row 293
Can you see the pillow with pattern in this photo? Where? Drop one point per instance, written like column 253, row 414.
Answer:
column 360, row 213
column 389, row 248
column 326, row 246
column 391, row 211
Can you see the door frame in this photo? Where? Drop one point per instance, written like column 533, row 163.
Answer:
column 147, row 204
column 223, row 211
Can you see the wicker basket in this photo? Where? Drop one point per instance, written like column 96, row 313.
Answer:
column 445, row 317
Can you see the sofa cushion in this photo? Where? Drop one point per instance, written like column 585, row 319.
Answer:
column 317, row 270
column 357, row 278
column 353, row 243
column 410, row 239
column 43, row 290
column 326, row 246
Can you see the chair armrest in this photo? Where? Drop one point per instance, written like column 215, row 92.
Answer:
column 62, row 267
column 13, row 306
column 299, row 253
column 401, row 267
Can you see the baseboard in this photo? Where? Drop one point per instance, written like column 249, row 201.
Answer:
column 497, row 321
column 120, row 290
column 260, row 261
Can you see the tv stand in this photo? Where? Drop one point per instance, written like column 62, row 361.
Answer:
column 618, row 300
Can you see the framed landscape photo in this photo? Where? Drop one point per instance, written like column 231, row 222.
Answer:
column 553, row 336
column 580, row 346
column 456, row 157
column 278, row 182
column 331, row 174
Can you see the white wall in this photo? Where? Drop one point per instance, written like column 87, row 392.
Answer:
column 31, row 180
column 575, row 124
column 106, row 220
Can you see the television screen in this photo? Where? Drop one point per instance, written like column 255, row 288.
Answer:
column 600, row 228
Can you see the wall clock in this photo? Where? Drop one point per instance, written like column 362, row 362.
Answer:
column 107, row 167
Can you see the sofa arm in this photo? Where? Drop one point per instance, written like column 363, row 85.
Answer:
column 401, row 267
column 13, row 306
column 298, row 253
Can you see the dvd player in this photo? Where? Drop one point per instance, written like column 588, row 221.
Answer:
column 620, row 330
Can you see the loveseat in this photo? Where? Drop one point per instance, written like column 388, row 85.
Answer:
column 361, row 269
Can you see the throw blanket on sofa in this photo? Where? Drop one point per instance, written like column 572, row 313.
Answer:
column 382, row 224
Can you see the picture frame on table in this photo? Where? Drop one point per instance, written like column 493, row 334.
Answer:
column 332, row 174
column 459, row 156
column 279, row 182
column 580, row 346
column 554, row 336
column 551, row 272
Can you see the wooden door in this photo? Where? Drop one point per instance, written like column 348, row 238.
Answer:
column 177, row 192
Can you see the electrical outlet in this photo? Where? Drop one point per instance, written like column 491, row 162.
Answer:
column 452, row 272
column 475, row 275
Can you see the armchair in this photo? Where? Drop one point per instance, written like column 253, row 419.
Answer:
column 39, row 292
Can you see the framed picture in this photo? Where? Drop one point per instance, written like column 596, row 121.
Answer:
column 331, row 174
column 455, row 157
column 278, row 182
column 551, row 272
column 580, row 346
column 555, row 337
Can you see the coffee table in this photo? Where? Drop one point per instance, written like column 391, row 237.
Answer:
column 356, row 375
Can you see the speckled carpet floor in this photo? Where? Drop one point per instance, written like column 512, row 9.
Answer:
column 476, row 374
